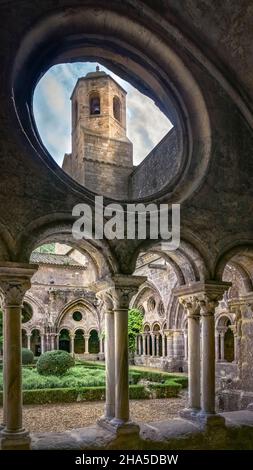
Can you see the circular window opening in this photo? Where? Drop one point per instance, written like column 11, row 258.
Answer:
column 77, row 316
column 27, row 312
column 104, row 133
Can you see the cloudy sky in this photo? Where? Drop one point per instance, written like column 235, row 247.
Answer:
column 146, row 125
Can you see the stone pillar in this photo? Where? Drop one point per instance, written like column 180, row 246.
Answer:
column 163, row 344
column 222, row 344
column 86, row 344
column 217, row 346
column 148, row 344
column 72, row 344
column 169, row 336
column 29, row 341
column 185, row 344
column 144, row 344
column 14, row 282
column 42, row 343
column 101, row 345
column 157, row 344
column 136, row 345
column 52, row 342
column 208, row 301
column 57, row 342
column 139, row 345
column 123, row 289
column 109, row 356
column 192, row 309
column 201, row 298
column 153, row 344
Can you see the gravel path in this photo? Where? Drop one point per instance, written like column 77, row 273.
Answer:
column 60, row 417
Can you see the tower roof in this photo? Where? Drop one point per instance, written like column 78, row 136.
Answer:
column 97, row 74
column 94, row 75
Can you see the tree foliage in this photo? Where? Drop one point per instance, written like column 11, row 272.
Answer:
column 135, row 325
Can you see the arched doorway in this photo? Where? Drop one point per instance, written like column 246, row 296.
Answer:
column 64, row 340
column 24, row 338
column 36, row 342
column 93, row 342
column 229, row 352
column 79, row 342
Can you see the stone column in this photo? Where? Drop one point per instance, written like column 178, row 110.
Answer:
column 139, row 345
column 86, row 344
column 201, row 298
column 109, row 356
column 148, row 344
column 208, row 301
column 185, row 344
column 153, row 344
column 52, row 342
column 217, row 346
column 72, row 344
column 57, row 342
column 157, row 344
column 169, row 336
column 163, row 344
column 222, row 346
column 144, row 344
column 101, row 345
column 192, row 309
column 42, row 343
column 14, row 282
column 123, row 289
column 136, row 345
column 29, row 341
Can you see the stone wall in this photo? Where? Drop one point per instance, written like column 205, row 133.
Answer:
column 159, row 168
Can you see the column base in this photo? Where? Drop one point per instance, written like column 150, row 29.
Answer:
column 190, row 413
column 15, row 440
column 118, row 427
column 210, row 420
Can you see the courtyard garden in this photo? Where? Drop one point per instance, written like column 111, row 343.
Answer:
column 49, row 382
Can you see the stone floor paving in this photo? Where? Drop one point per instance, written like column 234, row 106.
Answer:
column 61, row 417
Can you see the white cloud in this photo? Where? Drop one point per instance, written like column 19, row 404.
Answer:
column 146, row 124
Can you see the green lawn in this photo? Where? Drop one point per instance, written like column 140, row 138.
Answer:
column 92, row 375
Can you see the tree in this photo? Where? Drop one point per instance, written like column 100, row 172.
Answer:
column 135, row 325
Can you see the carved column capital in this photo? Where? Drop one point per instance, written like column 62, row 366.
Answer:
column 106, row 300
column 123, row 288
column 204, row 296
column 15, row 280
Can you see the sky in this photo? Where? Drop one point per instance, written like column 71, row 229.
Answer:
column 146, row 124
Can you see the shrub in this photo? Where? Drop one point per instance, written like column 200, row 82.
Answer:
column 167, row 390
column 27, row 356
column 54, row 363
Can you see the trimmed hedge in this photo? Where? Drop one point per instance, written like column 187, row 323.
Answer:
column 27, row 356
column 165, row 390
column 70, row 395
column 55, row 363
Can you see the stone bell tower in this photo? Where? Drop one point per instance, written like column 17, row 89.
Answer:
column 102, row 155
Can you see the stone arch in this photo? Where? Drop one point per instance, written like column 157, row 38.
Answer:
column 94, row 341
column 53, row 229
column 81, row 304
column 236, row 256
column 64, row 339
column 94, row 103
column 151, row 60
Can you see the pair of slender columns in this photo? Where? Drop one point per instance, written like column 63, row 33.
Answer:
column 14, row 282
column 116, row 299
column 200, row 300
